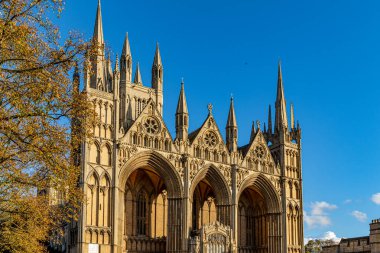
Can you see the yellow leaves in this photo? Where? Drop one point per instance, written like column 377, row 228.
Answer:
column 37, row 106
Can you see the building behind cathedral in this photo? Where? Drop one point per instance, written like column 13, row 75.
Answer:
column 149, row 191
column 364, row 244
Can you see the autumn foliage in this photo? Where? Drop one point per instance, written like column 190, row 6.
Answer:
column 38, row 105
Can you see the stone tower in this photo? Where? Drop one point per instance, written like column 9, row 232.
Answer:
column 198, row 192
column 374, row 236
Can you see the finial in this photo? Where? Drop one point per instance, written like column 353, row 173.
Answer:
column 209, row 107
column 182, row 81
column 258, row 124
column 232, row 96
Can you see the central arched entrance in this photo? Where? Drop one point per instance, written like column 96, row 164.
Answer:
column 210, row 212
column 152, row 200
column 258, row 216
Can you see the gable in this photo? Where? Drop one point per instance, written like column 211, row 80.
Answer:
column 149, row 130
column 257, row 156
column 208, row 136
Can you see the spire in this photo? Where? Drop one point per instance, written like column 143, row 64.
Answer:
column 231, row 121
column 281, row 118
column 270, row 120
column 138, row 79
column 157, row 57
column 126, row 46
column 253, row 132
column 292, row 116
column 98, row 29
column 182, row 105
column 182, row 116
column 231, row 129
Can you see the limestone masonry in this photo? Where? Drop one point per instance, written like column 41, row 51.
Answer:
column 148, row 191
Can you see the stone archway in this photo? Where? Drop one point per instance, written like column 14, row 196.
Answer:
column 152, row 194
column 259, row 225
column 208, row 184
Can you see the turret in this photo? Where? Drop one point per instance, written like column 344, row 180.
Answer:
column 126, row 62
column 157, row 78
column 374, row 236
column 231, row 129
column 182, row 116
column 157, row 71
column 98, row 80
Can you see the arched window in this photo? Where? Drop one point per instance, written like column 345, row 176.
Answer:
column 224, row 157
column 167, row 145
column 93, row 200
column 197, row 152
column 207, row 154
column 109, row 156
column 216, row 156
column 97, row 153
column 141, row 213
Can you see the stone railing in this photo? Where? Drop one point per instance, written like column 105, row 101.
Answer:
column 144, row 244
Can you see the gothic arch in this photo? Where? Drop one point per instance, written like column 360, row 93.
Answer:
column 144, row 232
column 217, row 181
column 155, row 161
column 94, row 173
column 266, row 188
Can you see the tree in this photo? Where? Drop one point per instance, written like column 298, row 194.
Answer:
column 315, row 246
column 38, row 101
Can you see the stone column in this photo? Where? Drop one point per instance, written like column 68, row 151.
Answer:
column 234, row 208
column 275, row 238
column 175, row 225
column 186, row 208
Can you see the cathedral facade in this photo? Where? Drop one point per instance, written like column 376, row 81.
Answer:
column 149, row 191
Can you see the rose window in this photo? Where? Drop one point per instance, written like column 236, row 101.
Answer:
column 259, row 151
column 210, row 139
column 151, row 126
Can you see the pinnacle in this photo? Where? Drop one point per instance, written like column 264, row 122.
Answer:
column 138, row 79
column 231, row 122
column 182, row 104
column 126, row 46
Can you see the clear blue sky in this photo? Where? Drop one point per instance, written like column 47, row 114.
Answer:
column 330, row 52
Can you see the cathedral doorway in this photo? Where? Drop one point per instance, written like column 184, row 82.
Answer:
column 204, row 205
column 211, row 199
column 146, row 212
column 150, row 205
column 252, row 224
column 259, row 226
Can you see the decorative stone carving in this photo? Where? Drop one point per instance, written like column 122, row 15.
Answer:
column 210, row 139
column 241, row 175
column 151, row 125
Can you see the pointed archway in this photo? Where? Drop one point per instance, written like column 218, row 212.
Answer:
column 259, row 225
column 151, row 196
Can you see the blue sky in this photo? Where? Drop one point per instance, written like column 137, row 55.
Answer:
column 330, row 52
